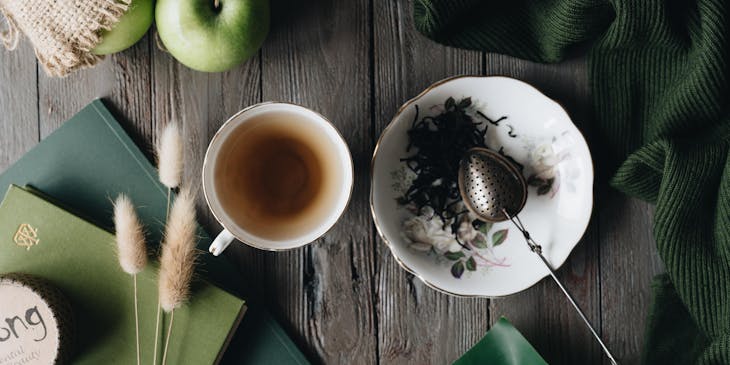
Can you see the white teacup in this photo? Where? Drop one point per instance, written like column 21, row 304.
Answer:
column 276, row 176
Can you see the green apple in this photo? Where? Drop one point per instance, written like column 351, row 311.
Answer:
column 212, row 35
column 131, row 27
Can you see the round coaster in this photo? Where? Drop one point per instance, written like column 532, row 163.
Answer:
column 36, row 322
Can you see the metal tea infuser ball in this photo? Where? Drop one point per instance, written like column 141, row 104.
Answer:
column 495, row 190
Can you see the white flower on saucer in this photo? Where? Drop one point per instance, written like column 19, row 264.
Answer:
column 424, row 231
column 466, row 232
column 544, row 160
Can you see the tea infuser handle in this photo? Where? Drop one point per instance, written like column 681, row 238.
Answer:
column 580, row 313
column 221, row 242
column 536, row 248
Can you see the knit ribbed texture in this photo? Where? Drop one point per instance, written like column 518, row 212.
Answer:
column 660, row 77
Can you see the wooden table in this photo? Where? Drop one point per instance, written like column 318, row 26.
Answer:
column 344, row 299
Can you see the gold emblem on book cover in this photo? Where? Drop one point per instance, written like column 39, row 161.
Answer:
column 26, row 236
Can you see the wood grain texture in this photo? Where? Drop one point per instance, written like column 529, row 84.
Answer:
column 629, row 261
column 18, row 104
column 344, row 299
column 317, row 55
column 416, row 324
column 123, row 80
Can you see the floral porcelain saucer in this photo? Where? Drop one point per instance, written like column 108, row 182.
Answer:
column 487, row 260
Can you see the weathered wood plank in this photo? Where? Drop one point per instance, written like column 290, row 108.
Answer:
column 416, row 324
column 18, row 104
column 542, row 313
column 181, row 96
column 122, row 79
column 317, row 55
column 628, row 263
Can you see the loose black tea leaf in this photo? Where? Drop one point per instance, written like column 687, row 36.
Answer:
column 440, row 142
column 544, row 189
column 482, row 226
column 493, row 122
column 464, row 103
column 533, row 180
column 543, row 185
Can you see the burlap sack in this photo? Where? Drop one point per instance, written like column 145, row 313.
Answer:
column 63, row 32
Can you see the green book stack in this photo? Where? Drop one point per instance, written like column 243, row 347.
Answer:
column 90, row 160
column 80, row 259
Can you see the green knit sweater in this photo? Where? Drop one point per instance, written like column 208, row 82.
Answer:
column 660, row 76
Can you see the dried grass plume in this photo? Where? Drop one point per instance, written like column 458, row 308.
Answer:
column 170, row 156
column 130, row 236
column 177, row 262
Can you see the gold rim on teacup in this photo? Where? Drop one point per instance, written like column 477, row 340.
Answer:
column 227, row 235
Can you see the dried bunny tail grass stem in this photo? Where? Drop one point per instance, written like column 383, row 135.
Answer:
column 177, row 263
column 157, row 332
column 132, row 248
column 178, row 253
column 169, row 156
column 167, row 341
column 169, row 166
column 130, row 236
column 136, row 319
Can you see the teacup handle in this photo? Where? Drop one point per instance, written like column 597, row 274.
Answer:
column 221, row 242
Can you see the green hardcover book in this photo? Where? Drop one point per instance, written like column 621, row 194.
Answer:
column 88, row 161
column 80, row 259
